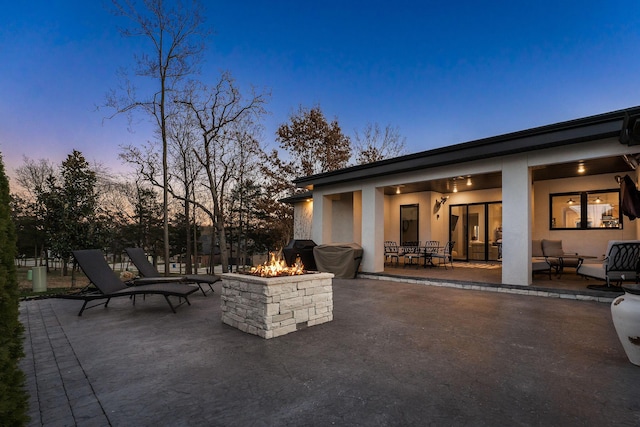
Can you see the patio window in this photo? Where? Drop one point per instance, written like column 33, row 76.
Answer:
column 585, row 210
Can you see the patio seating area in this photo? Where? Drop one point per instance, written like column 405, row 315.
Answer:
column 395, row 354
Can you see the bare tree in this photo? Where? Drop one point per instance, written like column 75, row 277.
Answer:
column 373, row 144
column 221, row 112
column 32, row 175
column 245, row 192
column 176, row 35
column 183, row 168
column 183, row 137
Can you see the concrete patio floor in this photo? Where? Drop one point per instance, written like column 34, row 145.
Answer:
column 395, row 354
column 491, row 273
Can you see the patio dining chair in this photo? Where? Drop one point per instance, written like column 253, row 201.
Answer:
column 430, row 248
column 391, row 252
column 411, row 253
column 444, row 255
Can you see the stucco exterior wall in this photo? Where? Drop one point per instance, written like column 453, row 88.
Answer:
column 303, row 220
column 343, row 214
column 372, row 217
column 587, row 242
column 433, row 225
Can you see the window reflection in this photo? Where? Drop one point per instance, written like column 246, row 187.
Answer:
column 585, row 210
column 603, row 210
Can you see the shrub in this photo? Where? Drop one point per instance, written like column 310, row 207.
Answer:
column 13, row 397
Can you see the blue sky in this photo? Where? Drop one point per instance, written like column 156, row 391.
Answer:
column 443, row 73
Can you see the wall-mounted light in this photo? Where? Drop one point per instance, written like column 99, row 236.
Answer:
column 397, row 190
column 469, row 181
column 581, row 168
column 439, row 204
column 455, row 187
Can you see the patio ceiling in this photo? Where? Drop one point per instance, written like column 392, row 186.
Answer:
column 606, row 165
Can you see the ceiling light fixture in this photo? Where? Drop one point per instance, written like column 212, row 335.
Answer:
column 469, row 181
column 570, row 201
column 581, row 168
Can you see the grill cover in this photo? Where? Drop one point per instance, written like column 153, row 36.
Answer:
column 341, row 259
column 304, row 248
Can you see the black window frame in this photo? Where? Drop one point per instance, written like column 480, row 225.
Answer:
column 417, row 207
column 582, row 197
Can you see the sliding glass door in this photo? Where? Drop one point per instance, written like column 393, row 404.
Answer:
column 477, row 230
column 458, row 230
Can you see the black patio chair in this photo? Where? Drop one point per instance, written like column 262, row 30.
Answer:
column 445, row 255
column 105, row 283
column 391, row 252
column 150, row 274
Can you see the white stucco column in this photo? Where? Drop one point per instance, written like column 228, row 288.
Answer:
column 372, row 229
column 322, row 219
column 516, row 221
column 357, row 217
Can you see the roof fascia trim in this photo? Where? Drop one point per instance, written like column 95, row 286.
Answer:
column 576, row 131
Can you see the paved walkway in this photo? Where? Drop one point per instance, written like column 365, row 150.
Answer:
column 60, row 392
column 395, row 354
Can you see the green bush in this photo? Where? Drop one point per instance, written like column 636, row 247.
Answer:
column 13, row 397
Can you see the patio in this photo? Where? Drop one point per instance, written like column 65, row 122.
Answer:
column 489, row 275
column 395, row 354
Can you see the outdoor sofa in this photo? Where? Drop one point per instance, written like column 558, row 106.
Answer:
column 621, row 264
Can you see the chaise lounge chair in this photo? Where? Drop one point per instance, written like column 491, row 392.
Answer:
column 150, row 274
column 108, row 285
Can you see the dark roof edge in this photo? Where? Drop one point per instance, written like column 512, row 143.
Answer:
column 296, row 198
column 558, row 134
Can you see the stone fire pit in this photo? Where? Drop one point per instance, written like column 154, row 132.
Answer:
column 274, row 306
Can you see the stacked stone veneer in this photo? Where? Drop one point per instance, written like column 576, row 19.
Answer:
column 270, row 307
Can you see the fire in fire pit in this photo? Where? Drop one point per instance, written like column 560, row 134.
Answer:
column 278, row 267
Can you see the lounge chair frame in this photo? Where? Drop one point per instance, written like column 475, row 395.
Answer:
column 151, row 275
column 105, row 284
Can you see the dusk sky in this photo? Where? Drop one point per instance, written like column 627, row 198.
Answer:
column 442, row 72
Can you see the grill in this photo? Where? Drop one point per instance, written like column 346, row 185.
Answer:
column 303, row 249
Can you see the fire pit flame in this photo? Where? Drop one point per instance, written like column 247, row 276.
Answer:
column 278, row 267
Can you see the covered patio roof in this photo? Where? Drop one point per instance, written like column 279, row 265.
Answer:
column 591, row 128
column 616, row 164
